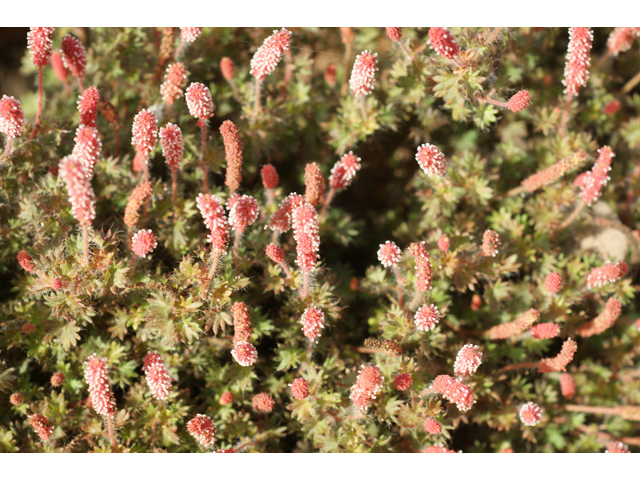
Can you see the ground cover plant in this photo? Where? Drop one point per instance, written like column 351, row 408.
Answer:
column 321, row 240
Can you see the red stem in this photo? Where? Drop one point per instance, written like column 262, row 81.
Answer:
column 203, row 165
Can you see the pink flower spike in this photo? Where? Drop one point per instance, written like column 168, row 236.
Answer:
column 306, row 232
column 143, row 243
column 315, row 186
column 368, row 385
column 455, row 391
column 97, row 377
column 443, row 42
column 431, row 160
column 363, row 73
column 516, row 327
column 467, row 361
column 530, row 414
column 88, row 106
column 190, row 34
column 41, row 425
column 616, row 447
column 74, row 56
column 145, row 132
column 172, row 145
column 11, row 117
column 395, row 33
column 389, row 254
column 275, row 253
column 403, row 381
column 604, row 321
column 444, row 243
column 426, row 318
column 299, row 389
column 560, row 362
column 244, row 354
column 58, row 67
column 26, row 262
column 157, row 376
column 136, row 199
column 175, row 80
column 344, row 170
column 202, row 428
column 269, row 177
column 39, row 42
column 227, row 68
column 268, row 56
column 567, row 385
column 312, row 321
column 81, row 194
column 591, row 183
column 519, row 101
column 490, row 243
column 281, row 220
column 87, row 148
column 423, row 266
column 241, row 323
column 227, row 398
column 263, row 402
column 621, row 39
column 16, row 398
column 233, row 152
column 606, row 274
column 244, row 212
column 576, row 71
column 432, row 426
column 545, row 330
column 199, row 101
column 553, row 283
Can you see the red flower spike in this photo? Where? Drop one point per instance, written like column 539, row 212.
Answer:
column 567, row 385
column 275, row 253
column 269, row 176
column 604, row 321
column 621, row 39
column 263, row 402
column 312, row 321
column 145, row 132
column 576, row 70
column 215, row 220
column 281, row 220
column 81, row 194
column 57, row 379
column 143, row 243
column 432, row 426
column 344, row 170
column 553, row 173
column 455, row 391
column 57, row 284
column 190, row 34
column 15, row 399
column 39, row 43
column 389, row 254
column 423, row 266
column 516, row 327
column 87, row 148
column 606, row 274
column 467, row 361
column 443, row 42
column 244, row 354
column 58, row 67
column 199, row 101
column 530, row 414
column 88, row 106
column 612, row 107
column 560, row 362
column 136, row 199
column 26, row 262
column 172, row 145
column 306, row 232
column 426, row 318
column 315, row 186
column 227, row 68
column 519, row 101
column 616, row 447
column 363, row 73
column 175, row 79
column 233, row 152
column 444, row 243
column 403, row 381
column 227, row 398
column 241, row 323
column 268, row 56
column 545, row 330
column 299, row 388
column 591, row 183
column 368, row 385
column 11, row 117
column 553, row 283
column 157, row 375
column 490, row 243
column 203, row 430
column 431, row 160
column 395, row 33
column 244, row 212
column 97, row 377
column 74, row 55
column 41, row 425
column 330, row 74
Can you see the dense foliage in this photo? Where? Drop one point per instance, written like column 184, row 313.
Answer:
column 122, row 306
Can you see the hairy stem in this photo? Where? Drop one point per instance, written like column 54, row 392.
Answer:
column 81, row 84
column 516, row 191
column 7, row 149
column 492, row 101
column 257, row 106
column 573, row 216
column 112, row 434
column 363, row 108
column 518, row 366
column 631, row 83
column 565, row 115
column 305, row 285
column 179, row 49
column 286, row 269
column 174, row 185
column 327, row 201
column 203, row 165
column 236, row 245
column 85, row 245
column 347, row 61
column 40, row 94
column 416, row 300
column 408, row 53
column 494, row 35
column 399, row 284
column 604, row 58
column 596, row 410
column 214, row 265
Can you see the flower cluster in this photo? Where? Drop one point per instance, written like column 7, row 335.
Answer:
column 57, row 64
column 87, row 148
column 403, row 381
column 244, row 354
column 344, row 170
column 282, row 219
column 307, row 236
column 554, row 172
column 312, row 321
column 175, row 80
column 172, row 145
column 432, row 426
column 233, row 151
column 275, row 253
column 423, row 266
column 519, row 101
column 315, row 186
column 443, row 42
column 606, row 274
column 241, row 322
column 199, row 101
column 227, row 398
column 576, row 70
column 41, row 425
column 243, row 211
column 367, row 386
column 16, row 399
column 364, row 73
column 215, row 220
column 57, row 379
column 395, row 33
column 467, row 361
column 227, row 68
column 80, row 190
column 559, row 363
column 11, row 117
column 39, row 43
column 444, row 243
column 26, row 262
column 190, row 34
column 530, row 414
column 621, row 39
column 389, row 254
column 97, row 377
column 88, row 106
column 263, row 402
column 426, row 318
column 202, row 428
column 553, row 283
column 157, row 375
column 490, row 243
column 545, row 330
column 136, row 199
column 268, row 56
column 74, row 55
column 145, row 132
column 516, row 327
column 299, row 388
column 269, row 176
column 604, row 321
column 431, row 160
column 143, row 243
column 616, row 447
column 591, row 183
column 567, row 385
column 455, row 391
